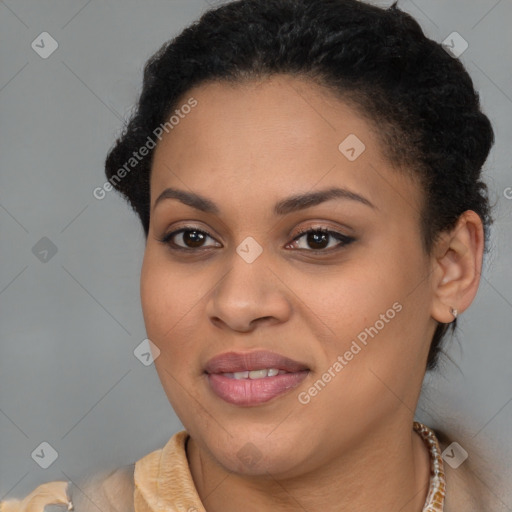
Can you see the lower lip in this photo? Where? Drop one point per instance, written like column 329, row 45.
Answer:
column 249, row 392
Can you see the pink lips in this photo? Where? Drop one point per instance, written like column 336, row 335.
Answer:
column 247, row 391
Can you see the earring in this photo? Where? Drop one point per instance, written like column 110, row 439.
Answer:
column 454, row 312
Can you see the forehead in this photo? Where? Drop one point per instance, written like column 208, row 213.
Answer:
column 278, row 115
column 265, row 138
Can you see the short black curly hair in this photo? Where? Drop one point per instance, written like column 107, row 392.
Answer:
column 376, row 59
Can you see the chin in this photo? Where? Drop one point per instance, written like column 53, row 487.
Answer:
column 249, row 460
column 256, row 453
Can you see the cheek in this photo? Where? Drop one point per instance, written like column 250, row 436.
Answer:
column 351, row 297
column 373, row 309
column 170, row 299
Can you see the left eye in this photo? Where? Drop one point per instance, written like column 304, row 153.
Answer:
column 318, row 239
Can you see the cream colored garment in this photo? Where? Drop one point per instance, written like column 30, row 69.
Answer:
column 163, row 480
column 48, row 493
column 159, row 481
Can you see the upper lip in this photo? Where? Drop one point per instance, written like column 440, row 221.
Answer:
column 230, row 362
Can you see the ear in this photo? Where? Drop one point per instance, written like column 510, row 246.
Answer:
column 457, row 266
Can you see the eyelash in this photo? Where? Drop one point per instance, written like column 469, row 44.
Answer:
column 344, row 240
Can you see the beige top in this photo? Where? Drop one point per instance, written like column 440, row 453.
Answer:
column 161, row 480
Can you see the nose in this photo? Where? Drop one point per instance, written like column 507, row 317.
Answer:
column 248, row 295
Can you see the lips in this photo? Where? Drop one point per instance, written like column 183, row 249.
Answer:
column 253, row 378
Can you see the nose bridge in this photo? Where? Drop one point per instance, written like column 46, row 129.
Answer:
column 247, row 276
column 249, row 290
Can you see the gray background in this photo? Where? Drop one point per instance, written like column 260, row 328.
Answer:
column 69, row 326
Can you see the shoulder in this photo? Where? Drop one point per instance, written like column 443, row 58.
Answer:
column 108, row 491
column 55, row 492
column 473, row 485
column 104, row 490
column 462, row 490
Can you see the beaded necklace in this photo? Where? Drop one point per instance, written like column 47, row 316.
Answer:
column 437, row 488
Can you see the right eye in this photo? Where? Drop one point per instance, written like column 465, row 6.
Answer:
column 191, row 238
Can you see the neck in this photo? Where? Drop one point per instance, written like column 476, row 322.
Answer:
column 387, row 471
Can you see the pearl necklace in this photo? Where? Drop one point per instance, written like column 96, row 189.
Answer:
column 437, row 488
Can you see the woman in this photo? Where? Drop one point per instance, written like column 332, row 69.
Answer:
column 307, row 175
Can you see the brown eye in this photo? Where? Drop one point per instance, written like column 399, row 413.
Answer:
column 319, row 239
column 193, row 238
column 187, row 239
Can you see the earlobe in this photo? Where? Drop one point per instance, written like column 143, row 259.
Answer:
column 457, row 266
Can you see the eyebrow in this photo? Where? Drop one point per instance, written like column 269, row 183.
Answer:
column 283, row 207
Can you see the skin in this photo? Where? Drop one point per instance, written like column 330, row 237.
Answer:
column 245, row 147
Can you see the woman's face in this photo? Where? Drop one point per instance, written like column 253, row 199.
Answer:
column 351, row 307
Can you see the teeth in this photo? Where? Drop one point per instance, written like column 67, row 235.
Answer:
column 258, row 374
column 255, row 374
